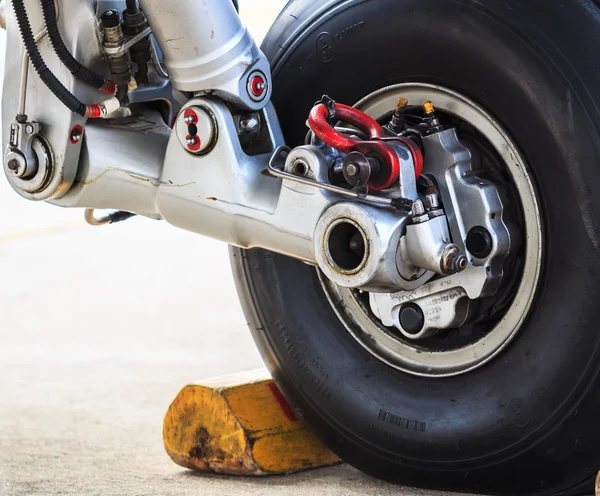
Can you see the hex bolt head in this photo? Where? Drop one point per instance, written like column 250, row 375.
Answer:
column 453, row 261
column 249, row 124
column 29, row 129
column 352, row 170
column 191, row 141
column 188, row 119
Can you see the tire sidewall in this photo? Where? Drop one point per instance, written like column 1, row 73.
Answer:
column 525, row 410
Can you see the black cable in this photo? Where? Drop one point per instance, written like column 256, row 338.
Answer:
column 49, row 79
column 120, row 216
column 79, row 71
column 132, row 7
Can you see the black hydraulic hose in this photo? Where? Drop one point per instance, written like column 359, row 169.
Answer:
column 49, row 79
column 79, row 71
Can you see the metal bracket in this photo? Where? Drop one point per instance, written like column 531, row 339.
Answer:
column 28, row 158
column 272, row 168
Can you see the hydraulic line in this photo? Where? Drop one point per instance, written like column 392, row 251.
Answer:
column 47, row 77
column 112, row 39
column 38, row 63
column 78, row 70
column 135, row 23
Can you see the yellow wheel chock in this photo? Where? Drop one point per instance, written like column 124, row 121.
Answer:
column 240, row 425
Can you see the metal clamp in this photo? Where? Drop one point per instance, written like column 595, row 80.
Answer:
column 129, row 43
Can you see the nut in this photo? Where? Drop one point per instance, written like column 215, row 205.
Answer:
column 453, row 261
column 352, row 170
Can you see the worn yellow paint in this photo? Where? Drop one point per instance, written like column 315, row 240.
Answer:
column 428, row 108
column 598, row 485
column 401, row 104
column 262, row 414
column 238, row 425
column 290, row 451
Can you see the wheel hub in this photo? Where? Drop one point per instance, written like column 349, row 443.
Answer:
column 439, row 324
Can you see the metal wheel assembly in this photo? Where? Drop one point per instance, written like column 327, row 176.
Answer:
column 443, row 325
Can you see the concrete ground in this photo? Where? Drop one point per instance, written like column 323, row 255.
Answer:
column 99, row 329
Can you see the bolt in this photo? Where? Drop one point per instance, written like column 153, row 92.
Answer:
column 300, row 168
column 418, row 208
column 257, row 86
column 188, row 119
column 191, row 141
column 453, row 261
column 249, row 124
column 76, row 134
column 428, row 108
column 14, row 166
column 401, row 104
column 352, row 170
column 433, row 201
column 461, row 262
column 29, row 129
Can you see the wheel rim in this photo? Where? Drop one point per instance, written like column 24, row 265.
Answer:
column 408, row 356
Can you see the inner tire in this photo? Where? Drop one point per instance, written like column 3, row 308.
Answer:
column 526, row 421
